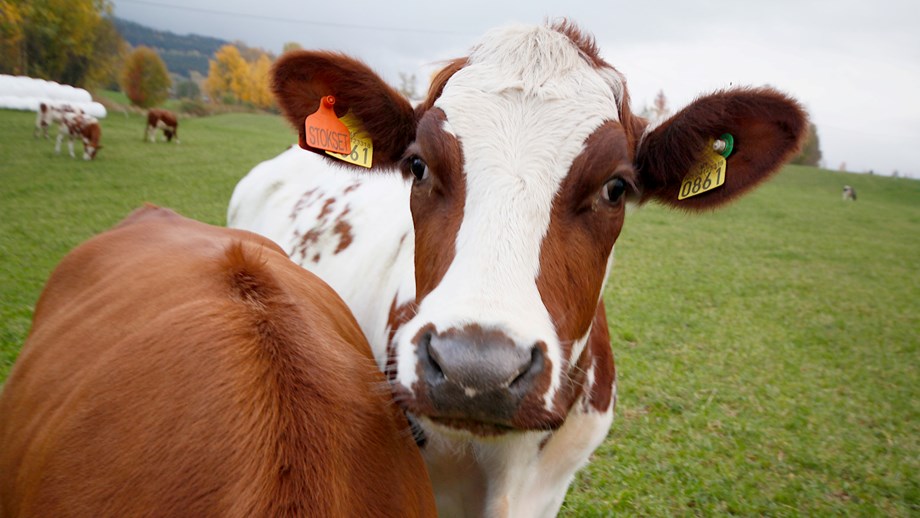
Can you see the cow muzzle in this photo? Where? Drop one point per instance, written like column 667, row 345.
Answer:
column 481, row 381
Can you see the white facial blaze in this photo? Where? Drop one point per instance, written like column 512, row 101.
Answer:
column 522, row 109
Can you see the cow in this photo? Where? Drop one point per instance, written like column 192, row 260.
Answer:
column 475, row 249
column 82, row 126
column 161, row 119
column 849, row 193
column 175, row 368
column 49, row 114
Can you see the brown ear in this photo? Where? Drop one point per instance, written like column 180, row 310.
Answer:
column 302, row 78
column 768, row 129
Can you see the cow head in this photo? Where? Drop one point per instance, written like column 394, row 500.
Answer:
column 91, row 133
column 522, row 160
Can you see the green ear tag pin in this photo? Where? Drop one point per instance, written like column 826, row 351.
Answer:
column 724, row 145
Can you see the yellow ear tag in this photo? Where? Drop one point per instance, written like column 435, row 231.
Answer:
column 362, row 149
column 707, row 174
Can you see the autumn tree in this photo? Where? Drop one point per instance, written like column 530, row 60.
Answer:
column 108, row 57
column 234, row 79
column 259, row 91
column 70, row 41
column 226, row 75
column 11, row 37
column 144, row 78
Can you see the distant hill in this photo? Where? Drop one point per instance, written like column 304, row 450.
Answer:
column 182, row 54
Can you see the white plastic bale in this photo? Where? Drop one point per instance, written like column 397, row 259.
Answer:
column 27, row 93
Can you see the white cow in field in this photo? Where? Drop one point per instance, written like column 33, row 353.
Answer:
column 475, row 249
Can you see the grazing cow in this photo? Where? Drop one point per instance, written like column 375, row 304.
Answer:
column 84, row 127
column 164, row 120
column 49, row 114
column 180, row 369
column 849, row 193
column 478, row 274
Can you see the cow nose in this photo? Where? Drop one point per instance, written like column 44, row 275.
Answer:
column 477, row 375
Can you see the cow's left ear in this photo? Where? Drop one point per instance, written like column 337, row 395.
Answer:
column 767, row 129
column 300, row 79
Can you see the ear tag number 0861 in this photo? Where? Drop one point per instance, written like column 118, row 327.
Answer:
column 707, row 174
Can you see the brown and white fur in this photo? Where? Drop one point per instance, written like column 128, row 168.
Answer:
column 478, row 274
column 49, row 114
column 175, row 368
column 164, row 120
column 84, row 127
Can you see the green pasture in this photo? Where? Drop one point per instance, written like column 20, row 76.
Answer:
column 767, row 354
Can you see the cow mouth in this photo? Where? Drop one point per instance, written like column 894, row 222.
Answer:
column 419, row 410
column 477, row 428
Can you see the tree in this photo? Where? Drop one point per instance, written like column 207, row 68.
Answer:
column 145, row 79
column 11, row 37
column 811, row 149
column 407, row 86
column 234, row 79
column 109, row 53
column 188, row 90
column 69, row 41
column 291, row 45
column 226, row 75
column 259, row 91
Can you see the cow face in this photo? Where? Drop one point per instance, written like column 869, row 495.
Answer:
column 91, row 133
column 522, row 159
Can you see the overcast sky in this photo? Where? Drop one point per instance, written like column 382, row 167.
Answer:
column 854, row 64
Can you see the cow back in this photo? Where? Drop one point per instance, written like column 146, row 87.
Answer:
column 174, row 368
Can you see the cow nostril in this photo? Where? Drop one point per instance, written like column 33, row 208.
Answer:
column 529, row 369
column 432, row 358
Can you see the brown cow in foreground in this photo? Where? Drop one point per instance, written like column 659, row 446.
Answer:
column 179, row 369
column 164, row 120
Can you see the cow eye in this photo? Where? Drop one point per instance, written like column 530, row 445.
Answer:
column 614, row 190
column 418, row 168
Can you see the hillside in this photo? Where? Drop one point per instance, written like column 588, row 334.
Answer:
column 181, row 53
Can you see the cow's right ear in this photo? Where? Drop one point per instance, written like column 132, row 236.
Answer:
column 300, row 79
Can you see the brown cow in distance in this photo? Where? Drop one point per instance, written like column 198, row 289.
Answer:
column 162, row 119
column 180, row 369
column 84, row 127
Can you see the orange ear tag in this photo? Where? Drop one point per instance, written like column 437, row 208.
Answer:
column 325, row 130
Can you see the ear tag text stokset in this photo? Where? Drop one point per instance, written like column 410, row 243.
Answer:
column 325, row 130
column 362, row 149
column 709, row 171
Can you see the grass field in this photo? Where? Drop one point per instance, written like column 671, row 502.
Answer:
column 767, row 354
